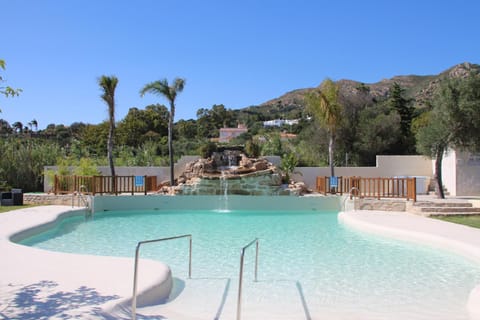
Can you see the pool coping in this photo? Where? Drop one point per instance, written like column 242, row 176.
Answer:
column 54, row 274
column 456, row 238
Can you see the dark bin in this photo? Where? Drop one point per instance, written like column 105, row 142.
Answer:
column 17, row 197
column 6, row 199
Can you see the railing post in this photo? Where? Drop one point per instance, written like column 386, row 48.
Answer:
column 132, row 184
column 340, row 185
column 414, row 189
column 378, row 186
column 55, row 184
column 145, row 184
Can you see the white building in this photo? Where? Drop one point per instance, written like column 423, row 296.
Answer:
column 461, row 173
column 279, row 122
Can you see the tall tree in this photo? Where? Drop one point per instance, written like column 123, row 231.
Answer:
column 453, row 122
column 403, row 106
column 162, row 88
column 377, row 132
column 34, row 123
column 18, row 126
column 108, row 84
column 326, row 108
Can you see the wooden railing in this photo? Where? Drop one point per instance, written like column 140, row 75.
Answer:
column 369, row 187
column 105, row 184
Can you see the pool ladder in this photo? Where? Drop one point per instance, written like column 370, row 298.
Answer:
column 240, row 277
column 135, row 272
column 351, row 195
column 81, row 193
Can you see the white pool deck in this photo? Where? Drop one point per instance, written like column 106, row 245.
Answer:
column 39, row 284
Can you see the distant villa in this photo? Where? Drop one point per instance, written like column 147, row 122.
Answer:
column 279, row 122
column 227, row 134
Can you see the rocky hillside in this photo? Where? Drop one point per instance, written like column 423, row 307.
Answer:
column 419, row 88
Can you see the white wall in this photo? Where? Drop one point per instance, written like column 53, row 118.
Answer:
column 449, row 172
column 461, row 173
column 387, row 166
column 467, row 174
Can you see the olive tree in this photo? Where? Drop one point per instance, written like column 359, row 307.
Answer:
column 452, row 122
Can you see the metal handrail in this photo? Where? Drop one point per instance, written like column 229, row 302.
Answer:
column 240, row 280
column 350, row 195
column 81, row 196
column 135, row 272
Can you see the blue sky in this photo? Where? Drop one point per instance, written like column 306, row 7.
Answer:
column 236, row 53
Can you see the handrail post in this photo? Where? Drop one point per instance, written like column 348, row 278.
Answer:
column 135, row 270
column 135, row 273
column 190, row 259
column 145, row 184
column 240, row 277
column 132, row 185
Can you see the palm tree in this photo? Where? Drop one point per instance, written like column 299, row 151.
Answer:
column 161, row 87
column 327, row 109
column 108, row 85
column 18, row 126
column 34, row 123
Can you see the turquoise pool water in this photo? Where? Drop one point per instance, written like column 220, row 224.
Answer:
column 342, row 274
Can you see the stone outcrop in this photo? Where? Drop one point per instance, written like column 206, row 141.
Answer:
column 232, row 172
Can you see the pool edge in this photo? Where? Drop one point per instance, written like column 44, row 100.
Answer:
column 66, row 272
column 423, row 230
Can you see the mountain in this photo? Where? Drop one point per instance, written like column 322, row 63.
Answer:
column 419, row 88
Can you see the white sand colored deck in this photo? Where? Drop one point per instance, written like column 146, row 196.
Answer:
column 40, row 284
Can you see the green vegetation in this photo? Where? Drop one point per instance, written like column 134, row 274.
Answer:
column 453, row 120
column 470, row 220
column 6, row 90
column 341, row 123
column 288, row 165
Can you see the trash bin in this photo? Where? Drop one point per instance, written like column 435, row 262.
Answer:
column 17, row 196
column 6, row 199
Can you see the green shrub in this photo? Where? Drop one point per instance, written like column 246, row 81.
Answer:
column 208, row 149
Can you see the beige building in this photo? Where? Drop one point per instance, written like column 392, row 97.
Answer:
column 227, row 134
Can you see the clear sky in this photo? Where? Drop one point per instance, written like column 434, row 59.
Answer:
column 236, row 53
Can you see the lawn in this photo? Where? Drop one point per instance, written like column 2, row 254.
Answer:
column 10, row 208
column 471, row 220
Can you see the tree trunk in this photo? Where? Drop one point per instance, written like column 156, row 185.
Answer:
column 331, row 147
column 438, row 173
column 170, row 148
column 110, row 156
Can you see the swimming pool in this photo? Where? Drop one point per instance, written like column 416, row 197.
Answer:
column 307, row 259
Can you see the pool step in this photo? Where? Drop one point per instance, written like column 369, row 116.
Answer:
column 442, row 208
column 210, row 298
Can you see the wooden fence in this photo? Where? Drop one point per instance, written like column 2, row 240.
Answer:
column 369, row 187
column 105, row 184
